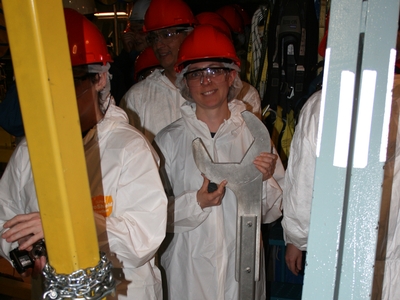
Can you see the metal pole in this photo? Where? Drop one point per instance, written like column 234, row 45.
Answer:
column 116, row 30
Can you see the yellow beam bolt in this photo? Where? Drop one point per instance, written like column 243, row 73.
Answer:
column 39, row 48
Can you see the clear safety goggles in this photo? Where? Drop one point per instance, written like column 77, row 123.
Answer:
column 165, row 35
column 215, row 74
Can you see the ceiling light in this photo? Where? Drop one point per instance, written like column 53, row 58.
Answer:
column 120, row 14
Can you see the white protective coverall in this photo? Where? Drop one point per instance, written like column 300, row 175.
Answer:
column 129, row 201
column 299, row 181
column 200, row 259
column 155, row 102
column 299, row 177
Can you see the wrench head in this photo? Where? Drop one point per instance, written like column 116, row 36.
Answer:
column 235, row 173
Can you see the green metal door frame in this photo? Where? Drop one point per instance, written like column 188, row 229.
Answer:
column 355, row 111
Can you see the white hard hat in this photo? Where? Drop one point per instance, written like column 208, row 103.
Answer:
column 85, row 7
column 139, row 10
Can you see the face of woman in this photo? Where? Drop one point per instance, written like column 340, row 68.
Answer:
column 209, row 83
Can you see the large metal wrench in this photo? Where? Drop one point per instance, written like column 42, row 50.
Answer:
column 245, row 180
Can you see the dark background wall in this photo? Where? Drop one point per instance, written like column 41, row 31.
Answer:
column 210, row 5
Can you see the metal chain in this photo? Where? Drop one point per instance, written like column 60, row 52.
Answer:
column 91, row 283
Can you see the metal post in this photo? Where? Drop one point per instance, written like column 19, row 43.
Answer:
column 37, row 35
column 248, row 246
column 116, row 30
column 355, row 110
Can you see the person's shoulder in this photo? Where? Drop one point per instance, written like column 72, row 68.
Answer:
column 116, row 125
column 122, row 135
column 236, row 106
column 155, row 78
column 154, row 81
column 135, row 89
column 251, row 88
column 22, row 147
column 312, row 105
column 173, row 131
column 307, row 125
column 251, row 93
column 174, row 128
column 136, row 95
column 20, row 156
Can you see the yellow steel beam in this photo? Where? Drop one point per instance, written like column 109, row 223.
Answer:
column 39, row 49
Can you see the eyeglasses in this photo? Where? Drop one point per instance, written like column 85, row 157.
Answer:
column 165, row 35
column 196, row 77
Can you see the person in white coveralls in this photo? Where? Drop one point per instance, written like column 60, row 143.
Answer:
column 199, row 260
column 129, row 202
column 298, row 194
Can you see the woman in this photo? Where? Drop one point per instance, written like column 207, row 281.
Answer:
column 129, row 202
column 199, row 260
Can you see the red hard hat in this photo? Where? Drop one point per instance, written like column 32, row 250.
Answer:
column 167, row 13
column 232, row 17
column 245, row 17
column 214, row 19
column 86, row 43
column 205, row 42
column 145, row 60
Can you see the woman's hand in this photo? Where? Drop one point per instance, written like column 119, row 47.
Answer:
column 26, row 229
column 266, row 163
column 206, row 199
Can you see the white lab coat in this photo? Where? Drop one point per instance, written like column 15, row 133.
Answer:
column 155, row 102
column 199, row 261
column 299, row 181
column 132, row 228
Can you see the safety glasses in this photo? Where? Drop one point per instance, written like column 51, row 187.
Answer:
column 215, row 74
column 165, row 35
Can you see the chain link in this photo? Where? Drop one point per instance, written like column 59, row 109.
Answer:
column 91, row 283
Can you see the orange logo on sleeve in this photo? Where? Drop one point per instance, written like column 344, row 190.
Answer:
column 102, row 205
